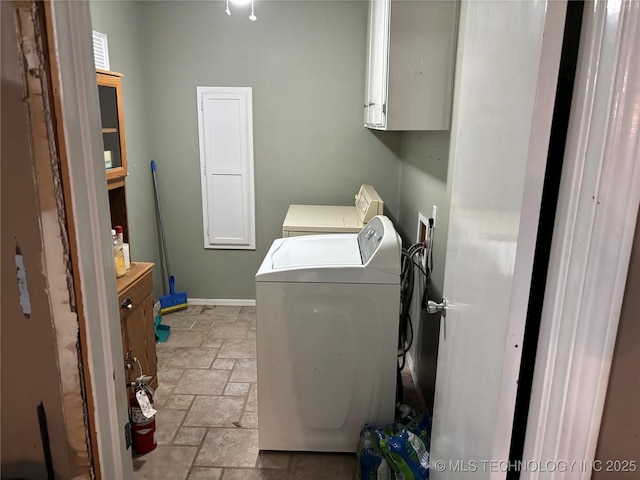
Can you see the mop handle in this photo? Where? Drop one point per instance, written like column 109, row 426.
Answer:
column 164, row 240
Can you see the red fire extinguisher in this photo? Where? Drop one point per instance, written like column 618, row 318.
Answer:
column 143, row 421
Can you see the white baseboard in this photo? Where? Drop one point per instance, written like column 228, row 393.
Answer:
column 234, row 302
column 414, row 377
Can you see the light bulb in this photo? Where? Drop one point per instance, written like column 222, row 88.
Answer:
column 226, row 10
column 252, row 17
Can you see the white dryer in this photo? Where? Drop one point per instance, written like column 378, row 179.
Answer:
column 320, row 219
column 327, row 330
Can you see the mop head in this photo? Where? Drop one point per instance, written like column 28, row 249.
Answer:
column 173, row 302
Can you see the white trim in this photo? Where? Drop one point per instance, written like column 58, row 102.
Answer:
column 597, row 212
column 226, row 167
column 71, row 24
column 416, row 383
column 233, row 302
column 547, row 81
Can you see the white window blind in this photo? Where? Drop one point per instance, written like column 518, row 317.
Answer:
column 100, row 50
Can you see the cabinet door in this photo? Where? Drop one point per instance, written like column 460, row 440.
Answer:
column 225, row 126
column 377, row 63
column 138, row 325
column 137, row 322
column 111, row 115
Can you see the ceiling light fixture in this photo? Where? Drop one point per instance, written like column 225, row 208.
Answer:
column 252, row 17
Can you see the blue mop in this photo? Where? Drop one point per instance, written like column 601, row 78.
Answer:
column 174, row 301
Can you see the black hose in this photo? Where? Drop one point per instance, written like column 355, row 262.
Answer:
column 407, row 281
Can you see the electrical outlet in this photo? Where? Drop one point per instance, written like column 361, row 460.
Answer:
column 423, row 225
column 421, row 236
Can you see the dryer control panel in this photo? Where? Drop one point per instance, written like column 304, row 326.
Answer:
column 368, row 203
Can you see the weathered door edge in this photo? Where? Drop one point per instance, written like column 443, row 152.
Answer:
column 54, row 230
column 79, row 122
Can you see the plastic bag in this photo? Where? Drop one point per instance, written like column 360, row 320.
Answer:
column 405, row 452
column 371, row 464
column 395, row 451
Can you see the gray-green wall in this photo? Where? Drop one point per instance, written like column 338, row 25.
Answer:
column 424, row 174
column 120, row 21
column 305, row 61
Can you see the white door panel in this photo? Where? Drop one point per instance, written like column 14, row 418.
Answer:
column 226, row 221
column 223, row 137
column 226, row 162
column 502, row 111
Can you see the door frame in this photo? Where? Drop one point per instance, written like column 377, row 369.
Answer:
column 583, row 231
column 593, row 235
column 78, row 114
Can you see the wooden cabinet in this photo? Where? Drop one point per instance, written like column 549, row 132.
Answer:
column 135, row 288
column 115, row 152
column 112, row 119
column 411, row 48
column 135, row 291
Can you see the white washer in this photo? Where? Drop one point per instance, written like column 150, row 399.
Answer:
column 327, row 330
column 320, row 219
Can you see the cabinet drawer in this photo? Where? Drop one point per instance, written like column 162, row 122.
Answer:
column 132, row 297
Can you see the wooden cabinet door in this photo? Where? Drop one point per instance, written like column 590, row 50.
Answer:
column 137, row 323
column 138, row 330
column 112, row 120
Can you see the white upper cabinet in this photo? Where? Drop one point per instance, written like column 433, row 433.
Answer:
column 411, row 48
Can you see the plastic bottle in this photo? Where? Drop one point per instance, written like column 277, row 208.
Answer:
column 125, row 246
column 118, row 255
column 371, row 463
column 127, row 255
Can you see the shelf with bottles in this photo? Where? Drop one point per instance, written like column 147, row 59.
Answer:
column 112, row 120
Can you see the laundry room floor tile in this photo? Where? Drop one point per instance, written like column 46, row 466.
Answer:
column 190, row 436
column 205, row 473
column 215, row 411
column 245, row 370
column 202, row 382
column 179, row 402
column 319, row 466
column 165, row 462
column 193, row 357
column 183, row 322
column 252, row 399
column 253, row 474
column 207, row 402
column 228, row 330
column 236, row 389
column 229, row 447
column 167, row 424
column 238, row 348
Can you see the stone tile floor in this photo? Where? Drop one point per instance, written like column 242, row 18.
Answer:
column 207, row 406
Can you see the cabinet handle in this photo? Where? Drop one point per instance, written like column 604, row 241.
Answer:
column 127, row 304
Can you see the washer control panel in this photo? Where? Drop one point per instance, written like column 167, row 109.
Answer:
column 370, row 238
